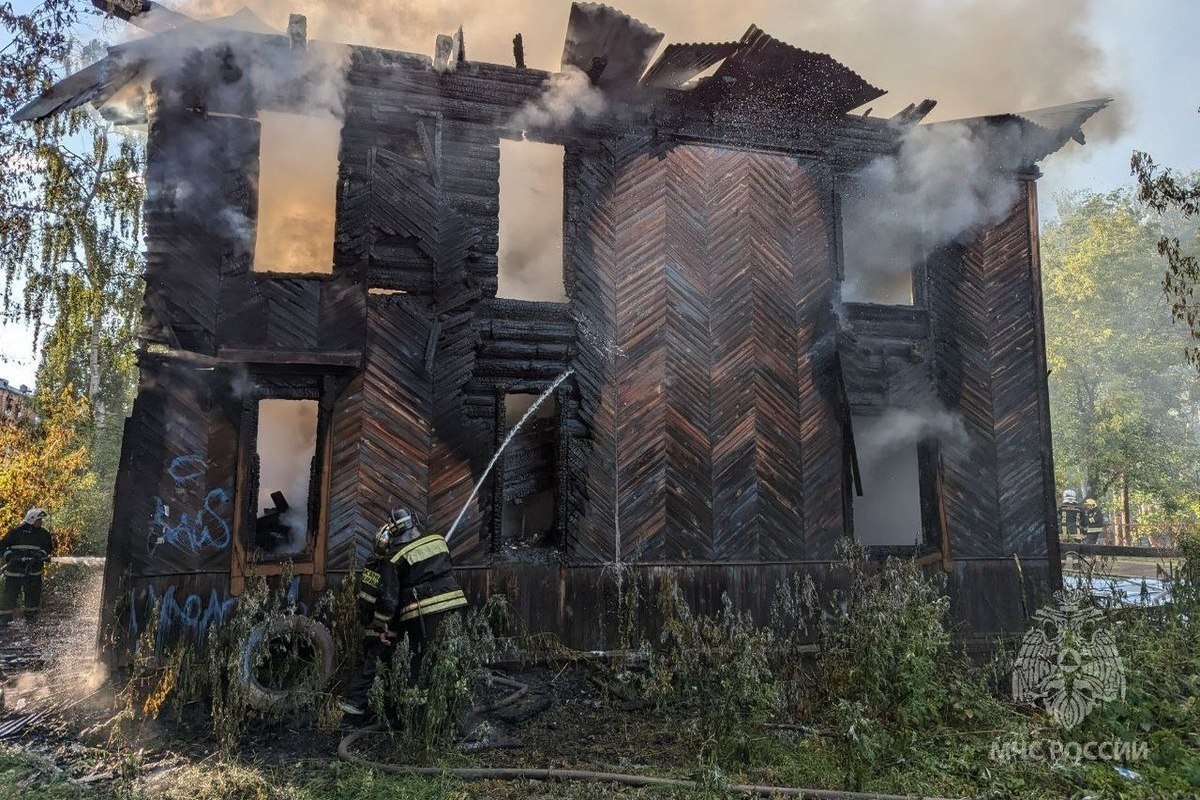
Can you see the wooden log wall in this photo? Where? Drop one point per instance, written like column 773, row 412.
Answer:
column 985, row 321
column 703, row 274
column 704, row 428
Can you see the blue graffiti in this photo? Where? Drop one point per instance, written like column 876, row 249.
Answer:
column 191, row 619
column 187, row 468
column 198, row 530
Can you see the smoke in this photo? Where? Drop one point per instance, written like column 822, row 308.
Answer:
column 221, row 70
column 297, row 192
column 974, row 56
column 900, row 428
column 945, row 181
column 569, row 96
column 531, row 212
column 286, row 445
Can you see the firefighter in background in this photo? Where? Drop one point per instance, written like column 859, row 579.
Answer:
column 1093, row 521
column 406, row 590
column 24, row 551
column 1070, row 517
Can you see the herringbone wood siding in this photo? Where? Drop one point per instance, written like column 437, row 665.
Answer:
column 719, row 270
column 984, row 327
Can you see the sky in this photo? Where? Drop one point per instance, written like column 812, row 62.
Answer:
column 1147, row 55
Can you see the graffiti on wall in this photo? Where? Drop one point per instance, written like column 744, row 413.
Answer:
column 196, row 529
column 176, row 616
column 189, row 618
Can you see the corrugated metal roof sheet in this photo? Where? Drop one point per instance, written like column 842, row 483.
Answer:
column 597, row 31
column 798, row 80
column 679, row 63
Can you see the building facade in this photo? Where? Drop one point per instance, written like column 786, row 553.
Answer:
column 721, row 389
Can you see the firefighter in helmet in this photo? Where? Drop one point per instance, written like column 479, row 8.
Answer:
column 1093, row 521
column 24, row 551
column 406, row 589
column 1070, row 517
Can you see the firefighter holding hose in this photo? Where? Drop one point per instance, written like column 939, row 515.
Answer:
column 406, row 590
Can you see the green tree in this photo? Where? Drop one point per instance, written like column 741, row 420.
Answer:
column 1124, row 403
column 44, row 464
column 70, row 216
column 1176, row 198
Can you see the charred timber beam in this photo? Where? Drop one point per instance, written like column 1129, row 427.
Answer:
column 315, row 358
column 138, row 12
column 887, row 322
column 557, row 352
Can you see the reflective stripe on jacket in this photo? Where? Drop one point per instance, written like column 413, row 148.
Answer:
column 24, row 550
column 425, row 574
column 378, row 595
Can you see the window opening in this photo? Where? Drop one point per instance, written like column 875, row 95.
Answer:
column 531, row 221
column 878, row 250
column 297, row 192
column 889, row 512
column 286, row 448
column 530, row 473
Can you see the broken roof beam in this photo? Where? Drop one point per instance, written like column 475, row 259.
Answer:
column 912, row 114
column 610, row 47
column 95, row 83
column 146, row 14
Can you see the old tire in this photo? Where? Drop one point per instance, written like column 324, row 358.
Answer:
column 266, row 698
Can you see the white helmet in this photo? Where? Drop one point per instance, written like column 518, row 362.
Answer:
column 400, row 527
column 1069, row 496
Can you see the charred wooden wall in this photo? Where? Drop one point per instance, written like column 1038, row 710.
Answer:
column 703, row 434
column 708, row 276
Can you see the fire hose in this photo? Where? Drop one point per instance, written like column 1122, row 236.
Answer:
column 588, row 776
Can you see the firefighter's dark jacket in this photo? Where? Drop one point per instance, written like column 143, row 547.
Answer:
column 24, row 550
column 414, row 580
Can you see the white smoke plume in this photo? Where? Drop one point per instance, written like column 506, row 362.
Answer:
column 287, row 442
column 946, row 181
column 903, row 427
column 569, row 97
column 973, row 56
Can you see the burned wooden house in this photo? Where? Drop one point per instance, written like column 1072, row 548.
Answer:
column 722, row 356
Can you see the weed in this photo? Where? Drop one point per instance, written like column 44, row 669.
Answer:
column 716, row 665
column 171, row 675
column 432, row 708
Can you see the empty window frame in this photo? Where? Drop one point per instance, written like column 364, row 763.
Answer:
column 297, row 192
column 879, row 247
column 531, row 221
column 529, row 480
column 889, row 512
column 286, row 446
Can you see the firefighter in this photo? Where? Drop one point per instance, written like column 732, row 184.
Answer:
column 1093, row 521
column 24, row 550
column 1070, row 517
column 406, row 590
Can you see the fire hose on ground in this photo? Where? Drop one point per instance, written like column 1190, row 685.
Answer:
column 588, row 776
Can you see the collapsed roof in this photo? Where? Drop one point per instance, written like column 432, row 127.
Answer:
column 748, row 78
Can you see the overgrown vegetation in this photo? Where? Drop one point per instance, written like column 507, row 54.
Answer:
column 425, row 714
column 168, row 677
column 863, row 688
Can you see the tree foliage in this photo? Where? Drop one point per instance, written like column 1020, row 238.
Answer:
column 1124, row 403
column 71, row 191
column 1168, row 192
column 44, row 463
